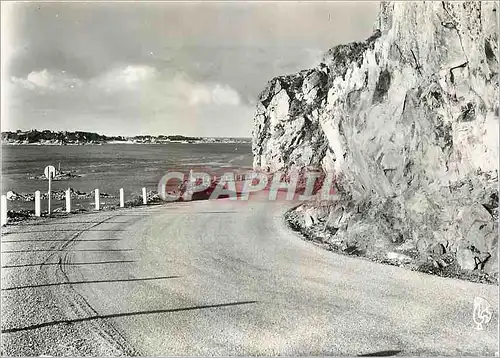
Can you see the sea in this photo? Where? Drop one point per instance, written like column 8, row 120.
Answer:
column 109, row 167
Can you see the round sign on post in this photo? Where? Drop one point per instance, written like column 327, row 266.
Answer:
column 49, row 171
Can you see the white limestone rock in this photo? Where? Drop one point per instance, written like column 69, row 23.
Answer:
column 408, row 120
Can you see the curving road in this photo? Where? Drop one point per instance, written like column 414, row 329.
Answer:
column 219, row 278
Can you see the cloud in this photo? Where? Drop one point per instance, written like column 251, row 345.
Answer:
column 134, row 81
column 198, row 93
column 149, row 84
column 125, row 78
column 46, row 80
column 127, row 100
column 313, row 57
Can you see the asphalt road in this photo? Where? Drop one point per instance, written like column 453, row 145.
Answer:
column 219, row 278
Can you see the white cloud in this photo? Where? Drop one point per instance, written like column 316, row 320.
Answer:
column 313, row 57
column 127, row 100
column 47, row 80
column 134, row 84
column 125, row 78
column 150, row 83
column 213, row 94
column 200, row 93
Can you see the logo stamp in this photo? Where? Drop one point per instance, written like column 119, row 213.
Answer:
column 482, row 312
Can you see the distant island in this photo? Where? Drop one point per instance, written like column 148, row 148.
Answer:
column 48, row 137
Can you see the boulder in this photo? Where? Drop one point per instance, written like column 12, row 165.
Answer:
column 399, row 257
column 11, row 195
column 466, row 258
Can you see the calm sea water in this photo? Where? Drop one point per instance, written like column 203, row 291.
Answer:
column 109, row 167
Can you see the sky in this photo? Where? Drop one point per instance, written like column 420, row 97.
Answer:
column 133, row 68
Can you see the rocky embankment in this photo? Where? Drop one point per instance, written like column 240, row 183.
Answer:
column 408, row 122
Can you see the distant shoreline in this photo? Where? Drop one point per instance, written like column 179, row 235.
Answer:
column 47, row 137
column 114, row 143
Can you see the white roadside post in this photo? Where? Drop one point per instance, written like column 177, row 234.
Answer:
column 4, row 210
column 50, row 190
column 97, row 199
column 144, row 197
column 122, row 198
column 68, row 200
column 49, row 172
column 38, row 209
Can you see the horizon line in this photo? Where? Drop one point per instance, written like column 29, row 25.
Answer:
column 121, row 135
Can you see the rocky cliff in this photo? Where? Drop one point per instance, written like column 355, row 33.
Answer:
column 408, row 122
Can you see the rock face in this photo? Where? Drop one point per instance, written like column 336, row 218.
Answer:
column 408, row 121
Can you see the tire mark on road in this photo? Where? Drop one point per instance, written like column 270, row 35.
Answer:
column 74, row 237
column 103, row 329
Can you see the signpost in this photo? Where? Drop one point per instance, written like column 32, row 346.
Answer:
column 49, row 172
